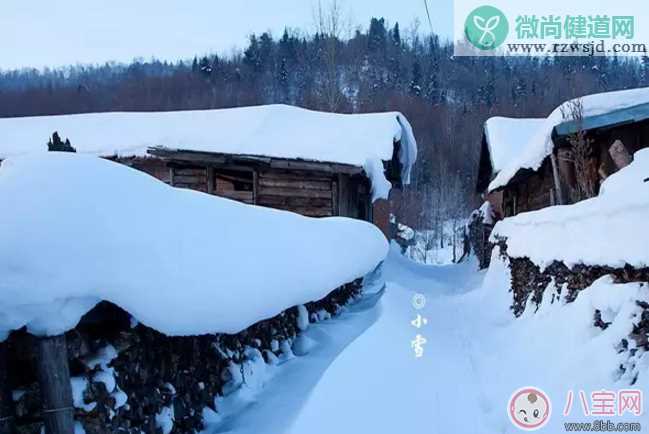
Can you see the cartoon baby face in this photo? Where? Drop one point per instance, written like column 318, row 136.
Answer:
column 529, row 408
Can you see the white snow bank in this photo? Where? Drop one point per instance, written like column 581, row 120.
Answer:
column 540, row 145
column 280, row 131
column 76, row 229
column 507, row 137
column 611, row 229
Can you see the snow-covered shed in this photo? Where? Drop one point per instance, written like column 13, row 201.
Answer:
column 569, row 154
column 313, row 163
column 503, row 139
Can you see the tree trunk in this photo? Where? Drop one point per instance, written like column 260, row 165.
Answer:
column 54, row 381
column 6, row 402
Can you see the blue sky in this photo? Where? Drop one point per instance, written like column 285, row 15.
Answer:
column 38, row 33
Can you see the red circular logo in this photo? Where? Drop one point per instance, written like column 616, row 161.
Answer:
column 529, row 408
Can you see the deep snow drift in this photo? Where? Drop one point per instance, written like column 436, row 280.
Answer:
column 77, row 229
column 281, row 131
column 611, row 229
column 475, row 356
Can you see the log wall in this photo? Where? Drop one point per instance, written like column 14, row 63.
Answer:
column 306, row 193
column 537, row 191
column 194, row 178
column 533, row 193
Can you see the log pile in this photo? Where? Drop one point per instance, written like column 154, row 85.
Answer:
column 528, row 281
column 478, row 238
column 151, row 371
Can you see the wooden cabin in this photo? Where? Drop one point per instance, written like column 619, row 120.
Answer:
column 502, row 142
column 315, row 164
column 612, row 137
column 311, row 188
column 277, row 156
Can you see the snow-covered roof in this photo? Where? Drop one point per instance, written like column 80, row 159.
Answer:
column 280, row 131
column 507, row 137
column 540, row 144
column 81, row 229
column 610, row 229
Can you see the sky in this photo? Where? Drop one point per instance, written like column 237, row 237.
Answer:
column 37, row 33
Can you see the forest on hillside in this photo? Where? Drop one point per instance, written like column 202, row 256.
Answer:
column 375, row 68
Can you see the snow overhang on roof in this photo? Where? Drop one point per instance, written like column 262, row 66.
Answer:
column 506, row 138
column 599, row 108
column 280, row 131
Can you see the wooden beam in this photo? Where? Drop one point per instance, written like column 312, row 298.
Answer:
column 557, row 182
column 242, row 160
column 305, row 184
column 255, row 187
column 210, row 180
column 54, row 381
column 7, row 422
column 187, row 156
column 291, row 192
column 316, row 166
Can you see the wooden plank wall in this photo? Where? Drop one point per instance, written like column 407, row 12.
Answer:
column 533, row 193
column 153, row 166
column 354, row 197
column 194, row 178
column 308, row 193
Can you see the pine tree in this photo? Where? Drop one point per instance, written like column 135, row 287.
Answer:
column 415, row 82
column 377, row 38
column 252, row 56
column 396, row 36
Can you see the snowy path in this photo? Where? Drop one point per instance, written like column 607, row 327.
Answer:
column 362, row 375
column 387, row 389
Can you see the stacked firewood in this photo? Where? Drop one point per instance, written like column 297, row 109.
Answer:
column 151, row 372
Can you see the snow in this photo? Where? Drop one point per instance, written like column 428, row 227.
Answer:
column 302, row 318
column 611, row 229
column 477, row 354
column 540, row 144
column 506, row 138
column 165, row 420
column 82, row 229
column 486, row 211
column 280, row 131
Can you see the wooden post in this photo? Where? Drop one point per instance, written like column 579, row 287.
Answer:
column 557, row 182
column 620, row 154
column 210, row 180
column 7, row 421
column 54, row 381
column 255, row 186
